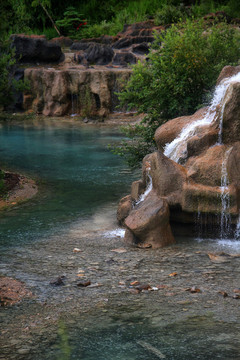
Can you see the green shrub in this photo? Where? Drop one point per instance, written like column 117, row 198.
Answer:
column 170, row 14
column 183, row 66
column 72, row 22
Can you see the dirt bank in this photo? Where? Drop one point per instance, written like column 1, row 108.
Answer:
column 18, row 191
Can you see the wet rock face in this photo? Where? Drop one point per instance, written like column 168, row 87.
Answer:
column 208, row 180
column 99, row 54
column 30, row 49
column 231, row 115
column 124, row 59
column 148, row 223
column 56, row 92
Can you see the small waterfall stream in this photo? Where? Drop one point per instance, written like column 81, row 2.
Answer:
column 225, row 220
column 149, row 186
column 178, row 147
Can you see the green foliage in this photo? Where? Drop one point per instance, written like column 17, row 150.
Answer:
column 8, row 85
column 86, row 102
column 139, row 142
column 71, row 22
column 169, row 14
column 183, row 66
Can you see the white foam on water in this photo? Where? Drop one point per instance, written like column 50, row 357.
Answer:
column 115, row 233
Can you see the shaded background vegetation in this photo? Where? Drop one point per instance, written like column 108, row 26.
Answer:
column 103, row 16
column 182, row 66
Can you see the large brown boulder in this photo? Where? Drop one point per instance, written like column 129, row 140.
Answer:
column 167, row 132
column 228, row 71
column 124, row 207
column 206, row 169
column 168, row 177
column 231, row 114
column 205, row 137
column 148, row 223
column 198, row 198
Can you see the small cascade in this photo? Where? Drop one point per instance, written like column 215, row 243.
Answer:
column 74, row 100
column 237, row 231
column 149, row 185
column 178, row 147
column 225, row 220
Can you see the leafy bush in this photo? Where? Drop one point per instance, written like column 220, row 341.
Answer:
column 182, row 68
column 170, row 14
column 8, row 85
column 71, row 22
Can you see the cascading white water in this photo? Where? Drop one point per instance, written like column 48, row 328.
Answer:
column 225, row 220
column 149, row 186
column 237, row 231
column 178, row 147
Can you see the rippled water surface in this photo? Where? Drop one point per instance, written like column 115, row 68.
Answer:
column 77, row 174
column 80, row 184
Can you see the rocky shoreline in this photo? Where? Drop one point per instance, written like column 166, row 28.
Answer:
column 20, row 191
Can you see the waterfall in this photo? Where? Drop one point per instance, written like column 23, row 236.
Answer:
column 149, row 186
column 74, row 100
column 225, row 220
column 237, row 231
column 178, row 147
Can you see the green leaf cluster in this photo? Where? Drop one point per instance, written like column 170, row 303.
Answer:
column 70, row 21
column 179, row 74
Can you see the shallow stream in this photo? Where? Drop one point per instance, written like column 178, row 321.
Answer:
column 80, row 184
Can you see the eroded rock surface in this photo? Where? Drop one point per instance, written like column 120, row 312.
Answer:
column 204, row 179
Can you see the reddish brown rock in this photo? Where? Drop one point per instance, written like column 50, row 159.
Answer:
column 227, row 71
column 124, row 208
column 207, row 199
column 206, row 169
column 231, row 115
column 205, row 137
column 137, row 189
column 148, row 223
column 168, row 177
column 167, row 132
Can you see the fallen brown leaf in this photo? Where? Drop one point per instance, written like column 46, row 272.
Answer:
column 173, row 274
column 218, row 258
column 133, row 283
